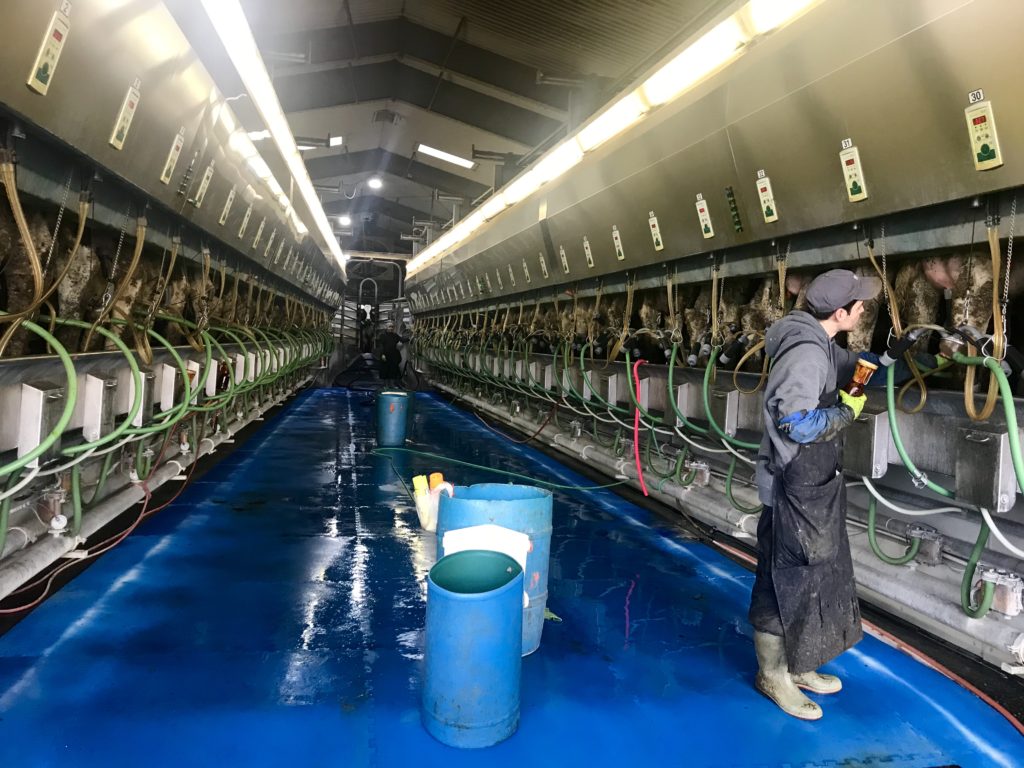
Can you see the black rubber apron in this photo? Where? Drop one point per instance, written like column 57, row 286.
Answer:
column 811, row 567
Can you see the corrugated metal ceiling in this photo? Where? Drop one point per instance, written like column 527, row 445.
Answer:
column 567, row 37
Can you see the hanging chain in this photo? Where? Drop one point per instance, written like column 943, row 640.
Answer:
column 56, row 227
column 885, row 269
column 782, row 262
column 158, row 290
column 969, row 295
column 109, row 290
column 1009, row 261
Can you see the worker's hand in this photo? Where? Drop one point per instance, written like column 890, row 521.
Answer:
column 855, row 404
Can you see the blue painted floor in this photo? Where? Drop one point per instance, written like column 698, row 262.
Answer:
column 273, row 617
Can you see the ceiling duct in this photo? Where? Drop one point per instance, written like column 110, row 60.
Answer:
column 387, row 116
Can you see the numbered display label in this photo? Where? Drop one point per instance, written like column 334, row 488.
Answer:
column 126, row 115
column 704, row 217
column 981, row 124
column 204, row 185
column 245, row 221
column 588, row 253
column 659, row 244
column 764, row 193
column 259, row 232
column 617, row 242
column 45, row 65
column 853, row 175
column 172, row 157
column 227, row 206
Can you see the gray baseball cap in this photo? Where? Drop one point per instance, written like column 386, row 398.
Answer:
column 838, row 287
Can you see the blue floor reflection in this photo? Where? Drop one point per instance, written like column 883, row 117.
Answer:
column 273, row 617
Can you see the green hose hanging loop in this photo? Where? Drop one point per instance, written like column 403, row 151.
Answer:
column 672, row 471
column 634, row 395
column 70, row 396
column 687, row 424
column 919, row 477
column 136, row 405
column 707, row 407
column 5, row 508
column 534, row 480
column 1011, row 419
column 967, row 582
column 728, row 492
column 910, row 554
column 691, row 476
column 593, row 390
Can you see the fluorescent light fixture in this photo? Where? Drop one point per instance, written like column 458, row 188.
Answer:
column 334, row 141
column 304, row 147
column 258, row 135
column 522, row 187
column 551, row 166
column 232, row 28
column 345, row 221
column 375, row 183
column 558, row 161
column 707, row 54
column 613, row 121
column 703, row 57
column 446, row 156
column 766, row 15
column 494, row 206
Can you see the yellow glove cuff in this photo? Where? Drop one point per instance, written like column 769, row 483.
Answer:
column 856, row 404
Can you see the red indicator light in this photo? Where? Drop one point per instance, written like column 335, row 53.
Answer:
column 764, row 189
column 980, row 120
column 849, row 161
column 701, row 210
column 57, row 35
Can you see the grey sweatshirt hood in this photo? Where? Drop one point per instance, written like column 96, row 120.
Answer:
column 795, row 328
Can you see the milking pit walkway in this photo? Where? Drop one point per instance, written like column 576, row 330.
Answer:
column 273, row 616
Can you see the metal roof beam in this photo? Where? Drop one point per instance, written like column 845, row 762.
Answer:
column 382, row 161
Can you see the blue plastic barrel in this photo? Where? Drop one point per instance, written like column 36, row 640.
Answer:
column 519, row 507
column 392, row 418
column 472, row 661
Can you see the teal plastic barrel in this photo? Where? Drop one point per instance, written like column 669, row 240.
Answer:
column 472, row 661
column 519, row 507
column 392, row 418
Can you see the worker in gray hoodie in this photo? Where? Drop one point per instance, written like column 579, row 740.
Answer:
column 804, row 603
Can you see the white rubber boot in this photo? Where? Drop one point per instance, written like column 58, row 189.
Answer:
column 773, row 678
column 816, row 682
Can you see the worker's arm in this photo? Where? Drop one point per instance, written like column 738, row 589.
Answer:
column 793, row 404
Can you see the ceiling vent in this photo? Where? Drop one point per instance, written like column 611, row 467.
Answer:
column 387, row 116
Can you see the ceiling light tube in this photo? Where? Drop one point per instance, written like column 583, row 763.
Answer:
column 232, row 28
column 495, row 205
column 766, row 15
column 446, row 156
column 709, row 52
column 613, row 121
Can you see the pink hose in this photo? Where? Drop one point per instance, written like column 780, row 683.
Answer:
column 636, row 428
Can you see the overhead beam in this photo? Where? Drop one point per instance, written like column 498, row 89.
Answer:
column 397, row 81
column 375, row 204
column 382, row 161
column 434, row 70
column 402, row 36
